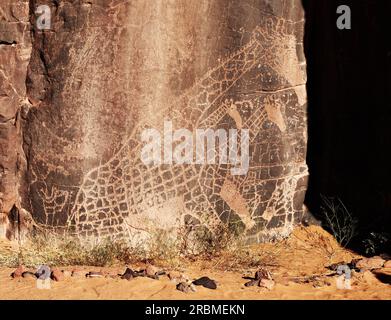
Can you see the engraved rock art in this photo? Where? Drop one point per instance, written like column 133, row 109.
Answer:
column 108, row 71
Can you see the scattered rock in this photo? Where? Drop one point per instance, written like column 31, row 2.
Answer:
column 261, row 274
column 28, row 274
column 387, row 264
column 266, row 283
column 128, row 274
column 186, row 287
column 205, row 282
column 43, row 272
column 94, row 274
column 57, row 275
column 370, row 263
column 18, row 272
column 150, row 272
column 251, row 283
column 139, row 273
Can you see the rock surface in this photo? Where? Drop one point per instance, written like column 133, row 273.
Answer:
column 370, row 263
column 15, row 52
column 108, row 70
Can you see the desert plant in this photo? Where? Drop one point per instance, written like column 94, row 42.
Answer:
column 224, row 246
column 338, row 220
column 375, row 241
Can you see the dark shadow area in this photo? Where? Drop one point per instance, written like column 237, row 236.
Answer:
column 385, row 278
column 349, row 115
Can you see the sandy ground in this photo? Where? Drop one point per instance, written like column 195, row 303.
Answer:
column 293, row 263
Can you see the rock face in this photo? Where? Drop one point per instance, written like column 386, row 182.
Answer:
column 112, row 77
column 15, row 50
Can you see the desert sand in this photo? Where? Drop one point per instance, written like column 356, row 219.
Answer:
column 297, row 264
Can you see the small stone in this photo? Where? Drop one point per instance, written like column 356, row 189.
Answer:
column 186, row 287
column 205, row 282
column 259, row 275
column 387, row 264
column 94, row 274
column 262, row 274
column 28, row 274
column 57, row 275
column 18, row 272
column 139, row 273
column 251, row 283
column 266, row 283
column 370, row 263
column 128, row 274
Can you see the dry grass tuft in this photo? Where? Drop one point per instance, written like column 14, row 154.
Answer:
column 224, row 249
column 55, row 250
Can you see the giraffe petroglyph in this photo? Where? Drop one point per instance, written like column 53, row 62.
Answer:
column 123, row 197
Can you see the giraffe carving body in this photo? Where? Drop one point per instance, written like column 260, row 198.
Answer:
column 257, row 85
